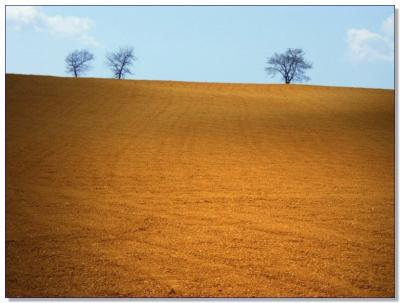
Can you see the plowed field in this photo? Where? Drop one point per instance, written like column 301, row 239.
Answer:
column 173, row 189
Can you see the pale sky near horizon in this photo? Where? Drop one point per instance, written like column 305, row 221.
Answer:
column 348, row 45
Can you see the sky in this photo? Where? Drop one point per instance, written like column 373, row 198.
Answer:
column 347, row 45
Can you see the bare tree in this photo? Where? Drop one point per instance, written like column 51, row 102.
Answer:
column 120, row 62
column 290, row 65
column 77, row 62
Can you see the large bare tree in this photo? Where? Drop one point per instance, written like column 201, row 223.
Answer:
column 291, row 65
column 78, row 61
column 120, row 62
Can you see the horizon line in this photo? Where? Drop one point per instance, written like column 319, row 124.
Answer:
column 203, row 82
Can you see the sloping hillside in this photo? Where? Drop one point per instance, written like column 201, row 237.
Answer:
column 151, row 188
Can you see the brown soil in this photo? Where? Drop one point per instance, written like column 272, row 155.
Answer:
column 151, row 188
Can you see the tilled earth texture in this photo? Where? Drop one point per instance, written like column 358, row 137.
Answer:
column 173, row 189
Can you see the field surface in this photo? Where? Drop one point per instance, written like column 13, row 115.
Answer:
column 170, row 189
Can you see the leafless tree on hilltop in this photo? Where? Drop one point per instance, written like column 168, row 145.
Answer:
column 77, row 62
column 290, row 65
column 120, row 62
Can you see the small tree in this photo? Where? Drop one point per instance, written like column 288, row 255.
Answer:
column 120, row 62
column 290, row 65
column 77, row 62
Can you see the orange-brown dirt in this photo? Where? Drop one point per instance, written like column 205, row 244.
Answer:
column 152, row 188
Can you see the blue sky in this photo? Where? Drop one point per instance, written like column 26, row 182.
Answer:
column 348, row 45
